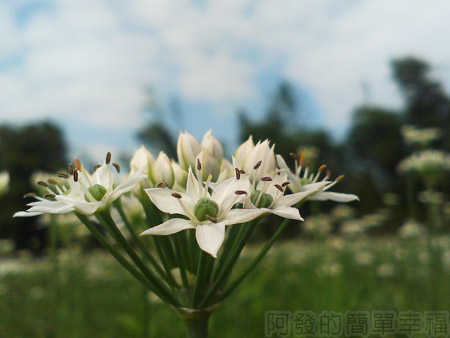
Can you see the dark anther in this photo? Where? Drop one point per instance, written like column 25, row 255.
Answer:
column 199, row 165
column 176, row 195
column 266, row 179
column 63, row 175
column 29, row 194
column 278, row 187
column 49, row 196
column 96, row 167
column 257, row 165
column 162, row 185
column 52, row 181
column 75, row 175
column 42, row 183
column 70, row 169
column 240, row 192
column 242, row 172
column 238, row 173
column 285, row 183
column 117, row 166
column 108, row 158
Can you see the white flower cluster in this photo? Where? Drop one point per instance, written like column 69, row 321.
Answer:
column 422, row 137
column 426, row 162
column 205, row 191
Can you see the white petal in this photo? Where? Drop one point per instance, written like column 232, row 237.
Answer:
column 192, row 186
column 236, row 216
column 27, row 214
column 126, row 186
column 210, row 237
column 288, row 200
column 287, row 212
column 162, row 198
column 334, row 196
column 224, row 193
column 169, row 227
column 87, row 208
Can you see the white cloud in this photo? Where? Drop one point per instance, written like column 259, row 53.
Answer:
column 91, row 60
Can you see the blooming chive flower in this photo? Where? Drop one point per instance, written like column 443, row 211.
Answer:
column 207, row 213
column 83, row 192
column 269, row 196
column 256, row 161
column 304, row 181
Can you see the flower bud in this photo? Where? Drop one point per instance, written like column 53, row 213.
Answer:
column 187, row 150
column 212, row 146
column 141, row 160
column 243, row 151
column 162, row 170
column 180, row 176
column 208, row 166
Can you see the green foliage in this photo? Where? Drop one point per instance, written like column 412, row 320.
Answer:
column 24, row 150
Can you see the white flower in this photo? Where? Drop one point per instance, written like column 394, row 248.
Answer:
column 207, row 213
column 141, row 161
column 187, row 150
column 304, row 181
column 83, row 192
column 269, row 196
column 4, row 182
column 162, row 170
column 259, row 162
column 180, row 176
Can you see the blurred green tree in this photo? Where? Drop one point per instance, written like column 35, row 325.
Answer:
column 24, row 150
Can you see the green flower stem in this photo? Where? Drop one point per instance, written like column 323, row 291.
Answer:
column 196, row 322
column 146, row 253
column 181, row 260
column 193, row 250
column 228, row 265
column 152, row 219
column 255, row 262
column 106, row 220
column 227, row 245
column 122, row 260
column 201, row 272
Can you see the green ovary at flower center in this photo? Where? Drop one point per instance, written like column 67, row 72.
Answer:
column 97, row 191
column 205, row 207
column 304, row 181
column 264, row 201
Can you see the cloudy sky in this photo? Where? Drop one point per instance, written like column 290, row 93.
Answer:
column 86, row 64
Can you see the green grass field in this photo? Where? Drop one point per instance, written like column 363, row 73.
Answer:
column 92, row 296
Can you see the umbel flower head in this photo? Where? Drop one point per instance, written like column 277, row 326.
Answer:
column 207, row 213
column 81, row 191
column 302, row 180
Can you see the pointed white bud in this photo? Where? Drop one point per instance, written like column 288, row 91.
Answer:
column 187, row 150
column 162, row 170
column 141, row 160
column 208, row 166
column 212, row 146
column 180, row 176
column 243, row 151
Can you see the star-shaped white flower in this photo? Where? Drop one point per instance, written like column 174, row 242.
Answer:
column 304, row 181
column 269, row 196
column 207, row 213
column 82, row 191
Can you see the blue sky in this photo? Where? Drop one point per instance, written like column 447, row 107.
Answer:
column 87, row 64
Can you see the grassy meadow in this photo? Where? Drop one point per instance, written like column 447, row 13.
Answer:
column 90, row 295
